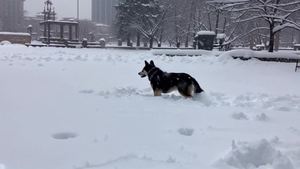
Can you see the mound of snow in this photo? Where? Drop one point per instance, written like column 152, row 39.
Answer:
column 239, row 116
column 35, row 42
column 5, row 42
column 184, row 52
column 2, row 166
column 259, row 155
column 247, row 53
column 262, row 117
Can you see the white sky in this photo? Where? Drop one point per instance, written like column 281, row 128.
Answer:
column 64, row 8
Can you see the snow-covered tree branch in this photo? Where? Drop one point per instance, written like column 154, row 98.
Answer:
column 276, row 14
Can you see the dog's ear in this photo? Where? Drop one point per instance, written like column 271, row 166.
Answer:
column 146, row 63
column 152, row 63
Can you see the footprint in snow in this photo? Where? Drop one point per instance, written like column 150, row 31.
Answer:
column 239, row 116
column 186, row 131
column 86, row 91
column 64, row 135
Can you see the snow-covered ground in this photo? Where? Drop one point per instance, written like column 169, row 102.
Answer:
column 89, row 109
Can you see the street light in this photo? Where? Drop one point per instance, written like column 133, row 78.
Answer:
column 78, row 10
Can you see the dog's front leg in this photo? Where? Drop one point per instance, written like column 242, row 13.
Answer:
column 157, row 92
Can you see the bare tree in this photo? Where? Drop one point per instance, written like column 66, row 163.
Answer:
column 275, row 14
column 142, row 16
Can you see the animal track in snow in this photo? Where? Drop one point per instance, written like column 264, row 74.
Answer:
column 279, row 103
column 64, row 135
column 186, row 131
column 239, row 116
column 86, row 91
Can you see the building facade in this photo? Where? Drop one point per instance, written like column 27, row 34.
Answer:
column 103, row 11
column 11, row 15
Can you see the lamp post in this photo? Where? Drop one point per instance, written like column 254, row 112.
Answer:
column 77, row 28
column 78, row 10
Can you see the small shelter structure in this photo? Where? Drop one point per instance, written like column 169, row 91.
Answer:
column 205, row 40
column 57, row 31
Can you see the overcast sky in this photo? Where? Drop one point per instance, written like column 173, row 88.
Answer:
column 64, row 8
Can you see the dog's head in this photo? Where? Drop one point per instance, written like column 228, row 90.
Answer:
column 147, row 68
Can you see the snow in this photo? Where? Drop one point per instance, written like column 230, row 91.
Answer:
column 88, row 109
column 227, row 1
column 35, row 42
column 2, row 166
column 297, row 45
column 205, row 33
column 285, row 25
column 5, row 42
column 15, row 33
column 263, row 54
column 221, row 36
column 261, row 154
column 181, row 52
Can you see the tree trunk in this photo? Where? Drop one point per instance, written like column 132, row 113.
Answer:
column 224, row 26
column 251, row 42
column 277, row 41
column 138, row 39
column 187, row 41
column 128, row 40
column 151, row 42
column 187, row 36
column 217, row 22
column 209, row 21
column 271, row 41
column 160, row 38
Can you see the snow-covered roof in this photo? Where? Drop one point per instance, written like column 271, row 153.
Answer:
column 101, row 25
column 15, row 33
column 205, row 33
column 227, row 1
column 221, row 35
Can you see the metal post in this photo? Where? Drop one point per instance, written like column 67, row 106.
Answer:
column 77, row 10
column 77, row 26
column 61, row 32
column 70, row 33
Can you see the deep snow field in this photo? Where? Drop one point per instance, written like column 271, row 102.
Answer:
column 89, row 109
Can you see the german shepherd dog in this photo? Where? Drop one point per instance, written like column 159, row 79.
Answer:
column 163, row 82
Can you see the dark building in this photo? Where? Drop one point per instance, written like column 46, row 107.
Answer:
column 11, row 15
column 103, row 11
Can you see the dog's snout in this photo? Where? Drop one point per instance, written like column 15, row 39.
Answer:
column 142, row 74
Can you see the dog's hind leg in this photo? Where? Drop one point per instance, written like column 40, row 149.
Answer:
column 186, row 90
column 157, row 92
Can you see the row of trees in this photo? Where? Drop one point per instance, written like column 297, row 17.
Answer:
column 177, row 21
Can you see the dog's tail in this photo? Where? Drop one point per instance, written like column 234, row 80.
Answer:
column 197, row 87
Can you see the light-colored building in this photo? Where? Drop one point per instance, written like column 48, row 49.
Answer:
column 103, row 11
column 11, row 15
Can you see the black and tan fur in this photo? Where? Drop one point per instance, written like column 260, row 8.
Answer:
column 163, row 82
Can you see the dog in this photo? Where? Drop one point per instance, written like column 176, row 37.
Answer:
column 163, row 82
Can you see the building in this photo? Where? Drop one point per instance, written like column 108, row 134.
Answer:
column 11, row 15
column 103, row 11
